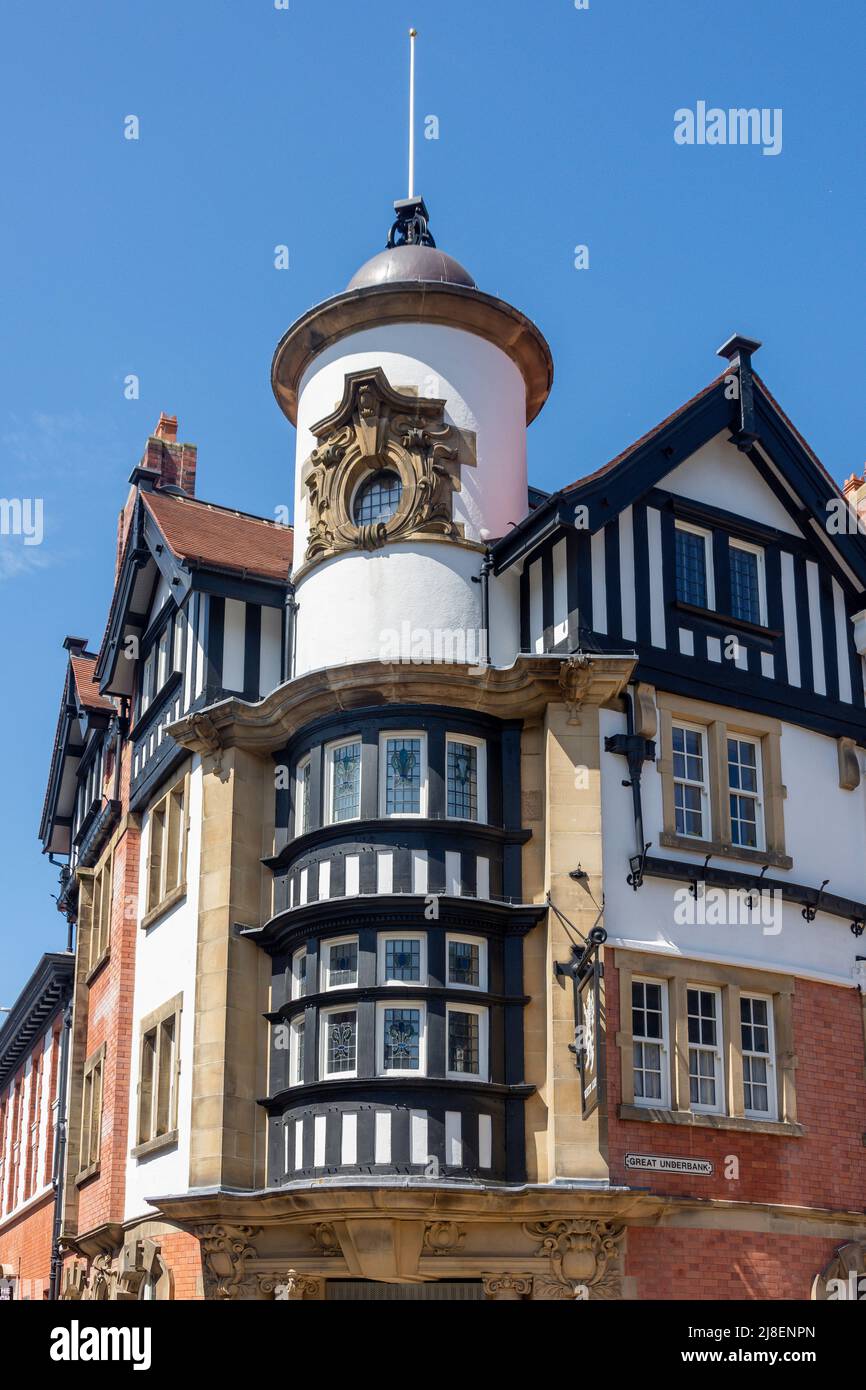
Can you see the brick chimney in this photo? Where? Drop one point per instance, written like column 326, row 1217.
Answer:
column 854, row 490
column 174, row 463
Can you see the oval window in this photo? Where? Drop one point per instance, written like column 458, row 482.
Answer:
column 377, row 499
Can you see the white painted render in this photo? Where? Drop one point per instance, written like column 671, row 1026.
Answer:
column 483, row 390
column 720, row 475
column 365, row 607
column 825, row 834
column 165, row 965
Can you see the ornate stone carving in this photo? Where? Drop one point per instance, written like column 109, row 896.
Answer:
column 843, row 1278
column 507, row 1287
column 325, row 1239
column 584, row 1259
column 208, row 736
column 373, row 428
column 443, row 1237
column 290, row 1287
column 226, row 1250
column 575, row 677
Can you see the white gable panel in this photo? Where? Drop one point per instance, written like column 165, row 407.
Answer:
column 719, row 475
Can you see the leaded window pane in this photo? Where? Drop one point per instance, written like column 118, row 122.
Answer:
column 342, row 1035
column 343, row 964
column 691, row 568
column 378, row 499
column 462, row 780
column 402, row 1039
column 745, row 585
column 303, row 811
column 402, row 959
column 346, row 782
column 402, row 776
column 464, row 963
column 463, row 1042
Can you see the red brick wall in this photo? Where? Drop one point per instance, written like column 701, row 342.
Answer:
column 695, row 1264
column 181, row 1253
column 826, row 1168
column 25, row 1243
column 109, row 1020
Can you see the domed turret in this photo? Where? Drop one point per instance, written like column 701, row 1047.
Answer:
column 412, row 388
column 411, row 254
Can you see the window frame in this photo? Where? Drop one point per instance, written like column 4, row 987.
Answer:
column 149, row 1135
column 296, row 1027
column 772, row 1113
column 382, row 955
column 168, row 895
column 706, row 796
column 423, row 800
column 707, row 537
column 719, row 723
column 735, row 543
column 483, row 958
column 329, row 750
column 90, row 1131
column 323, row 1016
column 757, row 797
column 409, row 1003
column 325, row 986
column 481, row 789
column 101, row 901
column 734, row 982
column 297, row 956
column 717, row 1051
column 304, row 766
column 663, row 1101
column 482, row 1012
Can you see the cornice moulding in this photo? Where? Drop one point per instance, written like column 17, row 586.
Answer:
column 521, row 691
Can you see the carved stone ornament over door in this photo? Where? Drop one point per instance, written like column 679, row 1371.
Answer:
column 377, row 429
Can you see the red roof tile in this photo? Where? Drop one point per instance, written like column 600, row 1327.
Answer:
column 202, row 532
column 88, row 690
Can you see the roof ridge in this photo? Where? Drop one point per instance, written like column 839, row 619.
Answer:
column 217, row 507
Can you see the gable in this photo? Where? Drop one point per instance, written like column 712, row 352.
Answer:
column 722, row 476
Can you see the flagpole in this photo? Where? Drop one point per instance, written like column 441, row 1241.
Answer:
column 413, row 34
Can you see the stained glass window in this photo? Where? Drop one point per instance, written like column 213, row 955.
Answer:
column 378, row 498
column 464, row 1048
column 464, row 963
column 402, row 959
column 402, row 1039
column 403, row 772
column 341, row 1039
column 462, row 780
column 342, row 964
column 346, row 781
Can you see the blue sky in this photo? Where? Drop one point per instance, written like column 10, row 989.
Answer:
column 261, row 126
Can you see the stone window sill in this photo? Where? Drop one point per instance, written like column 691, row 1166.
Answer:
column 152, row 1146
column 170, row 900
column 722, row 851
column 86, row 1174
column 742, row 1123
column 95, row 969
